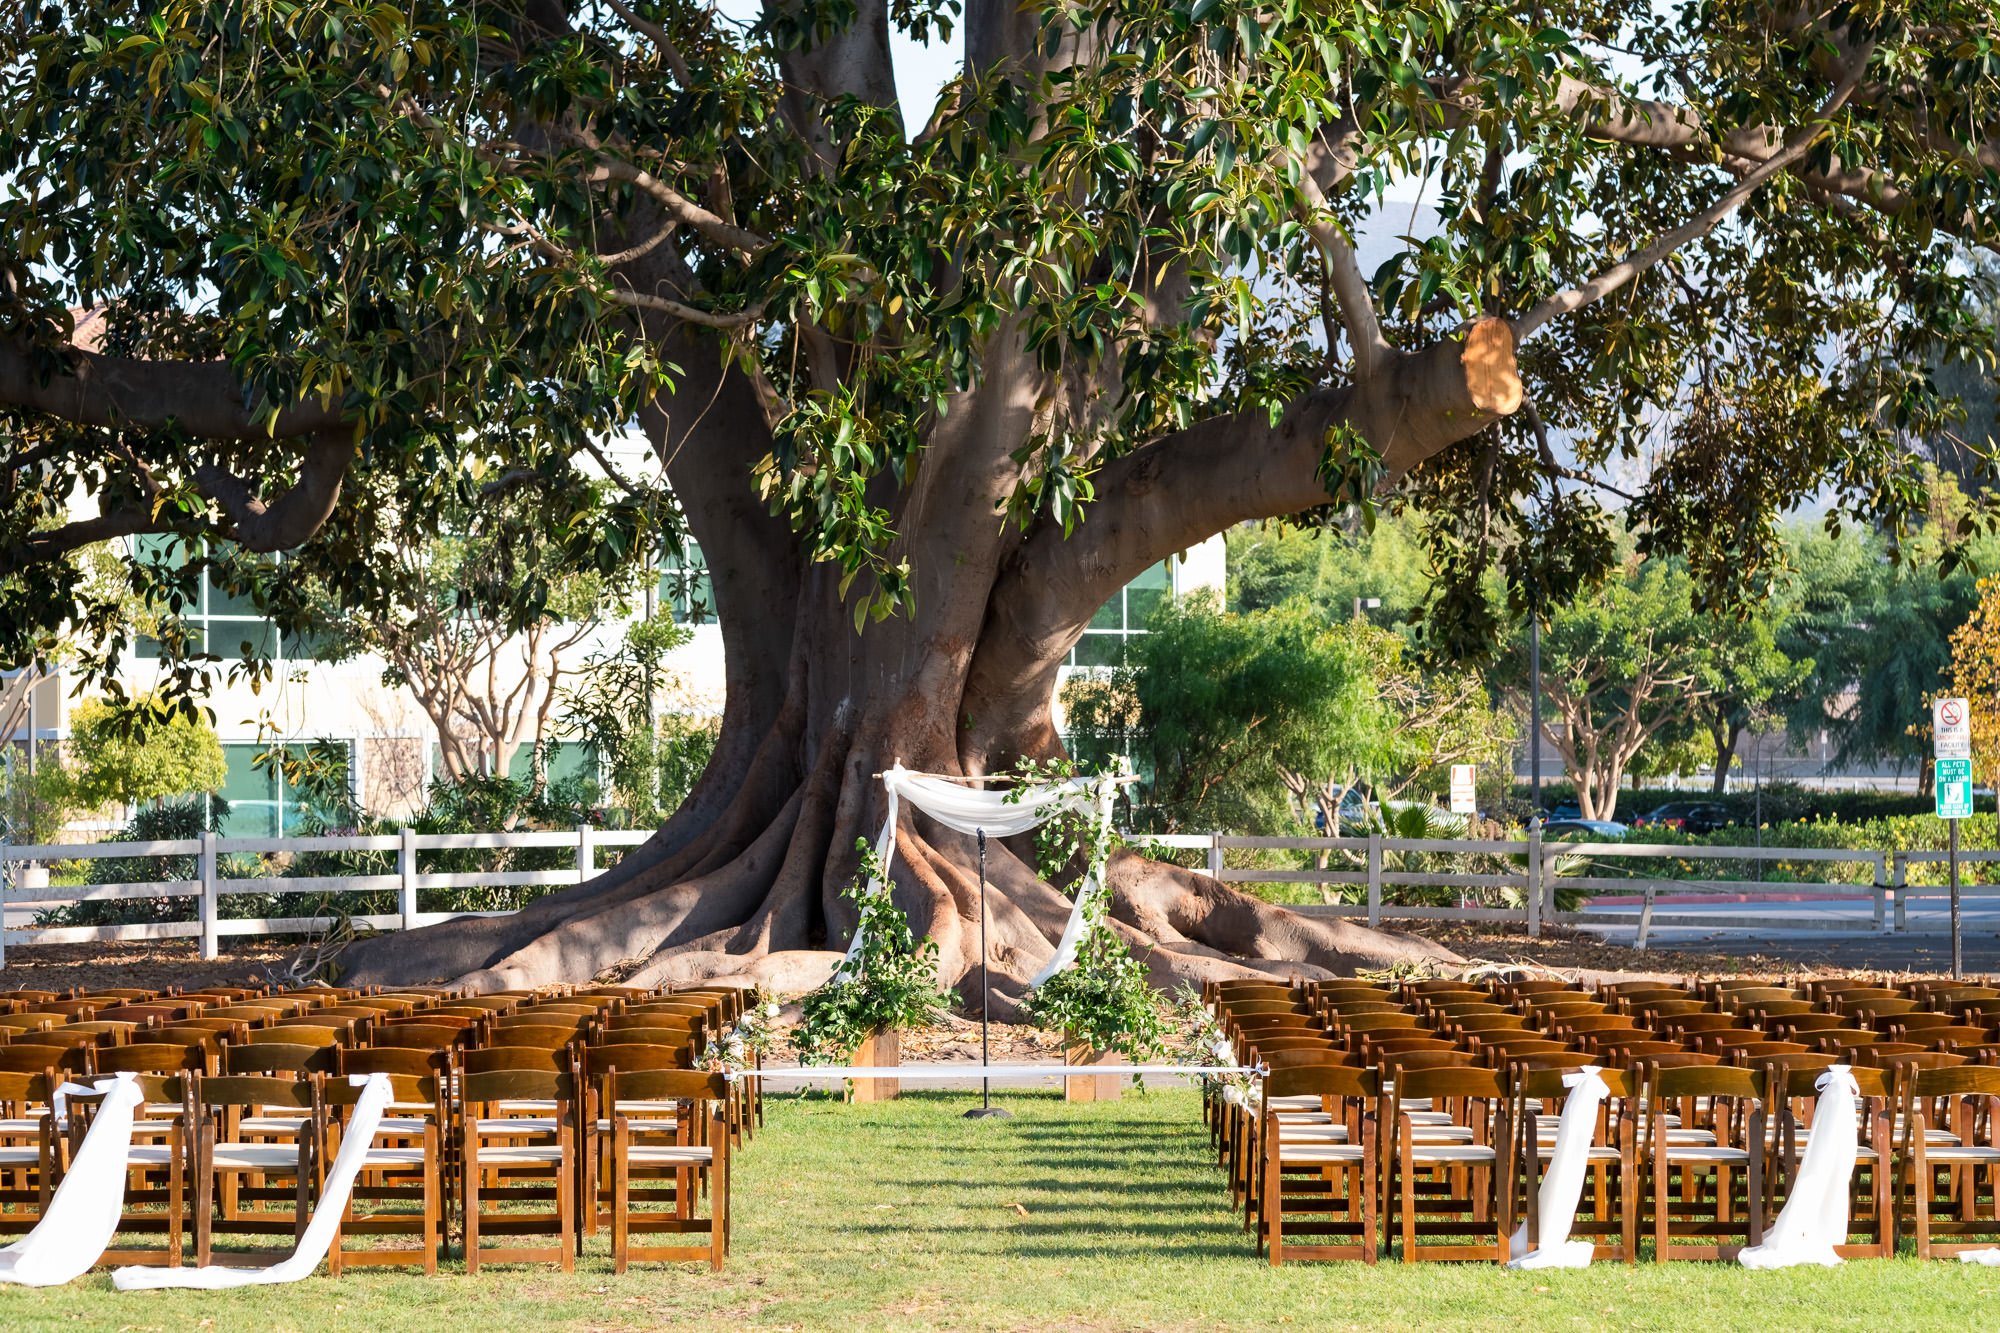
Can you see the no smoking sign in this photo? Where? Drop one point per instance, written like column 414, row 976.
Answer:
column 1951, row 729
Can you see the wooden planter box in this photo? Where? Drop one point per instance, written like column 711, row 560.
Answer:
column 1090, row 1087
column 884, row 1048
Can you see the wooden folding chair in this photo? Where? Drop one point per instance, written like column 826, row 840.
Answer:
column 30, row 1158
column 1467, row 1189
column 1722, row 1181
column 1537, row 1098
column 405, row 1163
column 694, row 1147
column 1791, row 1080
column 250, row 1128
column 158, row 1166
column 1945, row 1191
column 527, row 1159
column 1319, row 1181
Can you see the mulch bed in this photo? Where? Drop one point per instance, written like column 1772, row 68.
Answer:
column 151, row 964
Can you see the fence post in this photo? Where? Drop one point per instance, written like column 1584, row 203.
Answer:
column 1215, row 855
column 1374, row 878
column 1881, row 895
column 406, row 870
column 1899, row 880
column 586, row 852
column 1645, row 921
column 209, row 908
column 1534, row 878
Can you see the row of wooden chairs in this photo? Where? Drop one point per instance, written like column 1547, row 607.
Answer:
column 1425, row 1111
column 527, row 1114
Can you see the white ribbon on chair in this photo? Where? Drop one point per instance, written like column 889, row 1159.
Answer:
column 319, row 1233
column 1001, row 814
column 83, row 1215
column 1814, row 1218
column 1555, row 1202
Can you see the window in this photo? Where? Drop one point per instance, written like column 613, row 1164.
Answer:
column 562, row 761
column 219, row 622
column 1103, row 641
column 261, row 803
column 685, row 587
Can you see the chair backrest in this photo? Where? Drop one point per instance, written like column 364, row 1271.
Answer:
column 1549, row 1083
column 549, row 1038
column 479, row 1088
column 1499, row 1022
column 1596, row 1022
column 663, row 1085
column 274, row 1058
column 237, row 1091
column 1245, row 1008
column 400, row 1061
column 41, row 1059
column 1475, row 1086
column 424, row 1036
column 153, row 1058
column 12, row 1023
column 1305, row 1058
column 490, row 1059
column 25, row 1088
column 291, row 1033
column 1377, row 1022
column 633, row 1057
column 407, row 1090
column 1396, row 1063
column 1322, row 1080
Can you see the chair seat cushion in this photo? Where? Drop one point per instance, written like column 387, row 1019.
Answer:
column 520, row 1124
column 641, row 1125
column 1961, row 1152
column 1426, row 1153
column 271, row 1124
column 1319, row 1154
column 1599, row 1152
column 1312, row 1133
column 669, row 1154
column 394, row 1157
column 1302, row 1103
column 1706, row 1153
column 149, row 1154
column 519, row 1154
column 20, row 1155
column 257, row 1156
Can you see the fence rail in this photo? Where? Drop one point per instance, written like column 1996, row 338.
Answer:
column 1540, row 874
column 1536, row 871
column 211, row 884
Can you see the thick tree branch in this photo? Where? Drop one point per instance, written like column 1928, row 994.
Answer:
column 1611, row 279
column 203, row 399
column 292, row 518
column 670, row 54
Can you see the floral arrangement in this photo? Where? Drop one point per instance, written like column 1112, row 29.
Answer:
column 1103, row 998
column 745, row 1043
column 1207, row 1044
column 892, row 983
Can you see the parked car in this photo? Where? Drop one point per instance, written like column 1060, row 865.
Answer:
column 1686, row 817
column 1567, row 810
column 1355, row 816
column 1590, row 830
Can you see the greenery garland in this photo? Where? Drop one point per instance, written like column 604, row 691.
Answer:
column 1103, row 997
column 893, row 983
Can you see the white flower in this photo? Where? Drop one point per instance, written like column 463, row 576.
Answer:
column 1223, row 1052
column 770, row 1008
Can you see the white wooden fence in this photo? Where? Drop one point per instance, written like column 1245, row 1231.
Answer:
column 1370, row 865
column 1535, row 880
column 210, row 886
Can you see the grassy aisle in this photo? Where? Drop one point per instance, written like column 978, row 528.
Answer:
column 904, row 1216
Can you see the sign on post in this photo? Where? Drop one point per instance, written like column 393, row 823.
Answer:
column 1951, row 730
column 1954, row 788
column 1464, row 789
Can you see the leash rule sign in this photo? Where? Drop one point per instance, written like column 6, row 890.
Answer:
column 1954, row 788
column 1951, row 729
column 1464, row 790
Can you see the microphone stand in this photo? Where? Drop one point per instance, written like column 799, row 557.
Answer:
column 986, row 1110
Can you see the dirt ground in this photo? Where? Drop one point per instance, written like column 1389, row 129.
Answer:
column 160, row 964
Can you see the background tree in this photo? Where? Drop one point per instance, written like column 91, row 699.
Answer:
column 1621, row 670
column 929, row 391
column 1746, row 677
column 651, row 754
column 137, row 752
column 1975, row 674
column 485, row 624
column 1271, row 564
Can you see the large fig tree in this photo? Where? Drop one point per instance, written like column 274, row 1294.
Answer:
column 929, row 390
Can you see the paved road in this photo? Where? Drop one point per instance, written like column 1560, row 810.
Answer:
column 1926, row 946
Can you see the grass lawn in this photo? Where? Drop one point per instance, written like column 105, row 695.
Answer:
column 1106, row 1216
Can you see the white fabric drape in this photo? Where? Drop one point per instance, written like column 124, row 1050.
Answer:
column 1001, row 814
column 1814, row 1219
column 1555, row 1202
column 83, row 1215
column 327, row 1214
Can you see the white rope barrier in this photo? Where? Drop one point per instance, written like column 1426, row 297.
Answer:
column 939, row 1073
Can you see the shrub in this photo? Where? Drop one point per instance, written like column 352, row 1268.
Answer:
column 893, row 983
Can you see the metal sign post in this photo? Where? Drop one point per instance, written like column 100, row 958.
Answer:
column 1951, row 738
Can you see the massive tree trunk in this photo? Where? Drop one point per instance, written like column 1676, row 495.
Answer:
column 746, row 880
